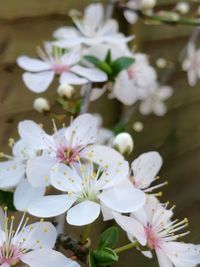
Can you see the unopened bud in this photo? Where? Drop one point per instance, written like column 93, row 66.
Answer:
column 138, row 126
column 148, row 4
column 41, row 104
column 161, row 63
column 66, row 90
column 183, row 7
column 123, row 142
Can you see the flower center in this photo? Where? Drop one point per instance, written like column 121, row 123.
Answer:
column 68, row 155
column 152, row 240
column 59, row 68
column 10, row 254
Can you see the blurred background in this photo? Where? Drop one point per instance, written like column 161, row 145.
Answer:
column 26, row 24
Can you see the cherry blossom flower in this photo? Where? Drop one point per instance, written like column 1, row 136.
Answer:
column 144, row 170
column 30, row 244
column 155, row 229
column 90, row 30
column 154, row 102
column 192, row 64
column 87, row 190
column 41, row 72
column 13, row 176
column 135, row 82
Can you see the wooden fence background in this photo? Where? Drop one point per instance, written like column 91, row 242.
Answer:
column 25, row 24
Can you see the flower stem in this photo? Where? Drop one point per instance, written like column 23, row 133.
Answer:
column 126, row 247
column 87, row 231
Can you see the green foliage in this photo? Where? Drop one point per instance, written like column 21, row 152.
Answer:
column 110, row 67
column 105, row 255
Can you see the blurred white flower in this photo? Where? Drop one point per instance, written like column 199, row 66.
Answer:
column 138, row 126
column 135, row 82
column 41, row 72
column 161, row 63
column 192, row 64
column 90, row 30
column 183, row 7
column 154, row 102
column 87, row 189
column 41, row 104
column 30, row 244
column 154, row 228
column 123, row 142
column 66, row 90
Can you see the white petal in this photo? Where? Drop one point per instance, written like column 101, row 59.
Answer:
column 91, row 74
column 104, row 155
column 145, row 107
column 38, row 170
column 147, row 254
column 71, row 78
column 106, row 212
column 11, row 172
column 93, row 15
column 130, row 16
column 50, row 206
column 65, row 33
column 145, row 168
column 165, row 92
column 32, row 64
column 159, row 108
column 36, row 235
column 123, row 198
column 96, row 93
column 33, row 135
column 163, row 260
column 64, row 178
column 84, row 128
column 83, row 213
column 132, row 227
column 29, row 194
column 38, row 82
column 47, row 258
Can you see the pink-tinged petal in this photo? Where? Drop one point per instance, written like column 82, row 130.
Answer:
column 36, row 235
column 71, row 78
column 29, row 194
column 83, row 213
column 71, row 58
column 38, row 82
column 123, row 197
column 33, row 135
column 38, row 170
column 64, row 178
column 11, row 173
column 163, row 260
column 47, row 258
column 32, row 64
column 50, row 206
column 85, row 130
column 145, row 168
column 91, row 74
column 5, row 264
column 133, row 227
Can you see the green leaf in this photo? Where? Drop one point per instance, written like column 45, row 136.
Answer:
column 91, row 261
column 121, row 63
column 92, row 59
column 108, row 58
column 105, row 256
column 108, row 238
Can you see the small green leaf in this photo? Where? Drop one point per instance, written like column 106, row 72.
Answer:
column 108, row 58
column 91, row 261
column 92, row 59
column 121, row 63
column 109, row 238
column 105, row 256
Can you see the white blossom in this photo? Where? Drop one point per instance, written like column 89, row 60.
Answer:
column 153, row 227
column 123, row 142
column 191, row 64
column 41, row 104
column 91, row 29
column 154, row 101
column 87, row 190
column 41, row 72
column 30, row 244
column 66, row 90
